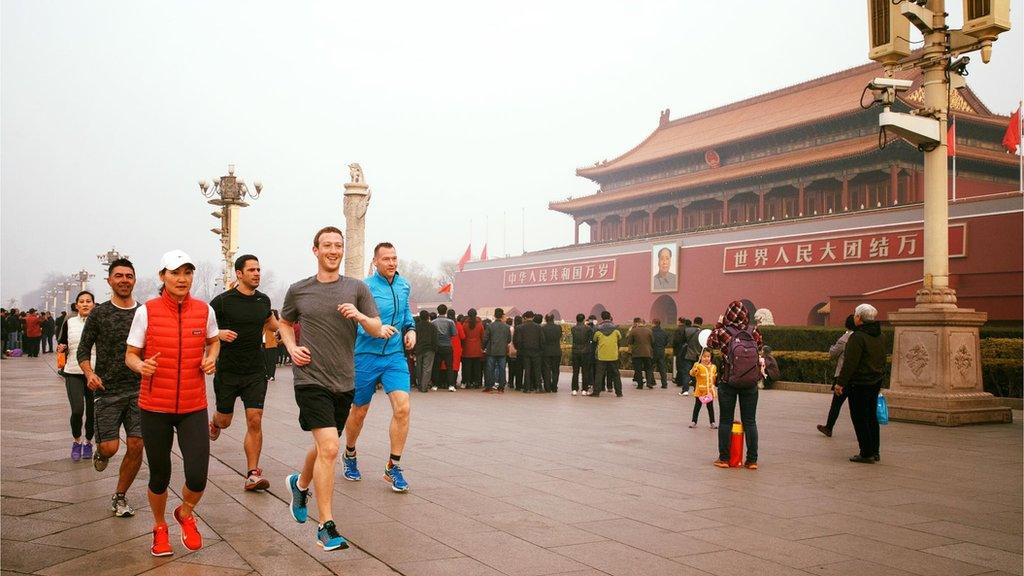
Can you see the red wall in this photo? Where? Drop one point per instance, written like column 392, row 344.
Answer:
column 993, row 246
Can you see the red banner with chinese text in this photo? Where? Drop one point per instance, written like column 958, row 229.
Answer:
column 872, row 248
column 560, row 273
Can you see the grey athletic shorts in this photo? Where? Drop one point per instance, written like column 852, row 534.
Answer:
column 114, row 411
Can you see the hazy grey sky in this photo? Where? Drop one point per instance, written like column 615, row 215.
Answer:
column 457, row 111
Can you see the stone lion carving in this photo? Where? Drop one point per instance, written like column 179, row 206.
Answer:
column 355, row 171
column 764, row 317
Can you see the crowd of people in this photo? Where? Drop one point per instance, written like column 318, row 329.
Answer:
column 29, row 333
column 141, row 368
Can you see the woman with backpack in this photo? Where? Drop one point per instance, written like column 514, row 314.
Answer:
column 740, row 345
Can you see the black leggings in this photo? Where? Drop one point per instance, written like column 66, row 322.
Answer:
column 193, row 443
column 696, row 409
column 81, row 400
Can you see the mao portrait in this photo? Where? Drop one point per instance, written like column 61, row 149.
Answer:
column 664, row 267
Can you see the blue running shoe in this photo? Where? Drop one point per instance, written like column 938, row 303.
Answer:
column 299, row 497
column 351, row 468
column 327, row 537
column 393, row 475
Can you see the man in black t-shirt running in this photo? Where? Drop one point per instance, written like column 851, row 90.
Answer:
column 242, row 314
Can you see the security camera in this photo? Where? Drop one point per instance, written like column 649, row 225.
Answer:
column 920, row 131
column 894, row 84
column 959, row 66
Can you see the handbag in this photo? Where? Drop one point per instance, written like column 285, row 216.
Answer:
column 62, row 360
column 706, row 399
column 882, row 411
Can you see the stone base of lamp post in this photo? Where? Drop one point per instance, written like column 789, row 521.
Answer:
column 936, row 365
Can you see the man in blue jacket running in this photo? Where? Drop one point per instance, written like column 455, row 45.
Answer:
column 383, row 360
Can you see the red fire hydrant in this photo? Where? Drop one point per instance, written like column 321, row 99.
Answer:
column 736, row 446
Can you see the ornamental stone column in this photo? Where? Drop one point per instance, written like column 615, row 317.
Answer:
column 357, row 200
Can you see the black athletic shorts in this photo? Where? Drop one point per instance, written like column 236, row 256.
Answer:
column 251, row 388
column 321, row 408
column 114, row 411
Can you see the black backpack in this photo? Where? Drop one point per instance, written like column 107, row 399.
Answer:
column 742, row 361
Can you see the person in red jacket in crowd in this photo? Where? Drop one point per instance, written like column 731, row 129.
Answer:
column 472, row 350
column 173, row 343
column 33, row 333
column 457, row 344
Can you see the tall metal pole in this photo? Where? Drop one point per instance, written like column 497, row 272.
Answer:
column 936, row 203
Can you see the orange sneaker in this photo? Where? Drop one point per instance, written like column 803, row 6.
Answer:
column 750, row 465
column 161, row 542
column 721, row 464
column 190, row 536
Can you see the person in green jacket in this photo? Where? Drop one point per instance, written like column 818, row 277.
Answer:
column 607, row 338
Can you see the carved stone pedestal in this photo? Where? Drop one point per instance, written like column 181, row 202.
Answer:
column 936, row 366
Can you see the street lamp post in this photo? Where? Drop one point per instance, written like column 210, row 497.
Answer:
column 81, row 278
column 228, row 194
column 66, row 286
column 109, row 256
column 936, row 357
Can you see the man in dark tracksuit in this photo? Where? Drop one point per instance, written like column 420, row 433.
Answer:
column 528, row 339
column 582, row 337
column 861, row 379
column 659, row 340
column 552, row 353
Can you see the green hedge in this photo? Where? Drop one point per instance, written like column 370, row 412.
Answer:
column 1000, row 376
column 819, row 338
column 1009, row 348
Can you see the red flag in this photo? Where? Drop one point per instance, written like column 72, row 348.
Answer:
column 1011, row 140
column 951, row 137
column 483, row 255
column 446, row 289
column 465, row 258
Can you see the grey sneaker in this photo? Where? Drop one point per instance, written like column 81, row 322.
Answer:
column 99, row 462
column 119, row 506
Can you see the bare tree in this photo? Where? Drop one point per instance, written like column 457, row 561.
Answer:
column 423, row 284
column 204, row 280
column 146, row 288
column 447, row 271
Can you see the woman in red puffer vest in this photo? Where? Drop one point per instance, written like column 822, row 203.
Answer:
column 173, row 344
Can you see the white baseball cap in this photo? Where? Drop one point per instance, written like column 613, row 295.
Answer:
column 175, row 259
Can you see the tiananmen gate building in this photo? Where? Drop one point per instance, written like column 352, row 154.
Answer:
column 785, row 200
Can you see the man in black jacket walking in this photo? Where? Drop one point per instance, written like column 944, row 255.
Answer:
column 861, row 378
column 528, row 340
column 552, row 353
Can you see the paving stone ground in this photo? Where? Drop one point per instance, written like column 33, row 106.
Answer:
column 530, row 485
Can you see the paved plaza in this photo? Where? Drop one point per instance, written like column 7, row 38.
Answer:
column 530, row 485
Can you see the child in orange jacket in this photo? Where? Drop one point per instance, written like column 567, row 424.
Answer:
column 706, row 375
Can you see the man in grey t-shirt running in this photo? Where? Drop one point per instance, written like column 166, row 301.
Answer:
column 329, row 306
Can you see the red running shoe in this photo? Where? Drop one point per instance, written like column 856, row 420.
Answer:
column 161, row 542
column 190, row 536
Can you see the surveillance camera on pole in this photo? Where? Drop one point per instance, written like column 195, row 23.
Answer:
column 936, row 327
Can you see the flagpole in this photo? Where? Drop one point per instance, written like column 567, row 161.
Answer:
column 954, row 158
column 523, row 232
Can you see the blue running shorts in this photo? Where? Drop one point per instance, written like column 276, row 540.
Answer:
column 391, row 370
